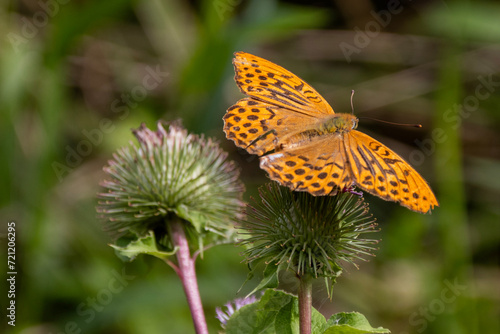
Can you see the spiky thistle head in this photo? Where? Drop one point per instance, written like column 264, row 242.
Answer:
column 170, row 174
column 307, row 234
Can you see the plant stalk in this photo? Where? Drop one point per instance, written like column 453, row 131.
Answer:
column 305, row 303
column 187, row 274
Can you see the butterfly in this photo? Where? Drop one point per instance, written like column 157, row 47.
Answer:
column 305, row 145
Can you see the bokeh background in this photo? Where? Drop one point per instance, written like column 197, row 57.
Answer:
column 76, row 76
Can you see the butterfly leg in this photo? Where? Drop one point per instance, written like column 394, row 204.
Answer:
column 351, row 189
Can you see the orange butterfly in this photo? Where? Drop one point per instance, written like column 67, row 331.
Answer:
column 313, row 148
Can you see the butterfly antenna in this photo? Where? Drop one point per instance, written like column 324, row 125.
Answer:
column 352, row 106
column 392, row 123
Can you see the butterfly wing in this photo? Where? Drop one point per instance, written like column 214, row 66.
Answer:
column 260, row 127
column 272, row 84
column 319, row 166
column 381, row 172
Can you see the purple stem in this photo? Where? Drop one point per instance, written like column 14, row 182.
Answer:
column 305, row 304
column 187, row 274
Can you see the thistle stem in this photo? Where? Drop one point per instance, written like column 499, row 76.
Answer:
column 305, row 303
column 187, row 274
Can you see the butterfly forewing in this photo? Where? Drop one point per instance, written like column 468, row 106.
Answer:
column 272, row 84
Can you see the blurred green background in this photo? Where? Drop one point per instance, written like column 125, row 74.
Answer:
column 76, row 76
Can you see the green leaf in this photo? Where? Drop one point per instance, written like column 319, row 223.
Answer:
column 275, row 312
column 318, row 322
column 287, row 318
column 260, row 316
column 269, row 281
column 351, row 323
column 140, row 245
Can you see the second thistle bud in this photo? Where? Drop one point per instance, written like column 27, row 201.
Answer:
column 307, row 234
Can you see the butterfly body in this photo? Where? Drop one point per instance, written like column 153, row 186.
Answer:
column 338, row 123
column 305, row 145
column 334, row 124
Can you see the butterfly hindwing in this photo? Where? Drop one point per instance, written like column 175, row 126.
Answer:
column 381, row 172
column 258, row 127
column 319, row 167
